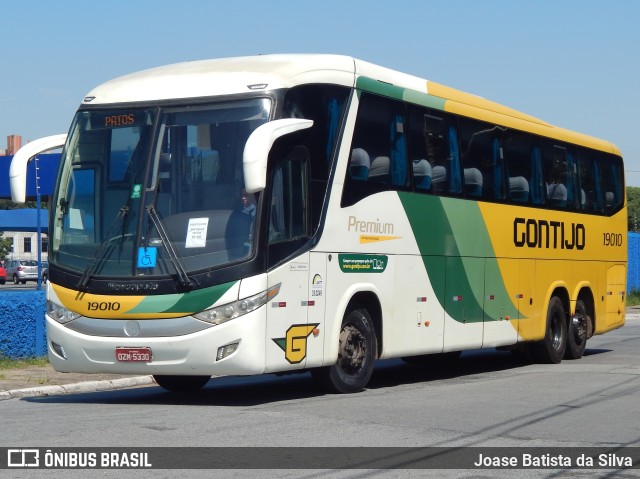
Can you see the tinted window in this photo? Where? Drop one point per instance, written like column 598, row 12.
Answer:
column 378, row 159
column 483, row 160
column 560, row 175
column 434, row 152
column 524, row 168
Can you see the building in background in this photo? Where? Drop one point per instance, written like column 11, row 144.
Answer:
column 14, row 143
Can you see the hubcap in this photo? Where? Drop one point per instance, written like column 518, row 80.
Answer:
column 579, row 328
column 353, row 350
column 556, row 332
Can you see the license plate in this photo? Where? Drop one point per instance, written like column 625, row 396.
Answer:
column 133, row 355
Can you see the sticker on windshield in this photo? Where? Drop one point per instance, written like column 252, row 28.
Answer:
column 147, row 257
column 197, row 233
column 75, row 219
column 136, row 191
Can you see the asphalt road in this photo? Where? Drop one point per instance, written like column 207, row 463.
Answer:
column 487, row 399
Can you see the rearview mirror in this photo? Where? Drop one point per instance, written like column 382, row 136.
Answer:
column 259, row 143
column 18, row 168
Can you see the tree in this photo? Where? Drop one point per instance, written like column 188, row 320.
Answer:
column 5, row 247
column 633, row 208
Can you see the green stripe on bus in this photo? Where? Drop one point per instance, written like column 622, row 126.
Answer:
column 191, row 302
column 381, row 88
column 398, row 93
column 424, row 99
column 458, row 257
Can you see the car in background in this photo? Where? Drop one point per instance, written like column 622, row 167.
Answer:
column 22, row 270
column 3, row 275
column 45, row 271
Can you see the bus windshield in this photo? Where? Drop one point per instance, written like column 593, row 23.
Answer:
column 156, row 191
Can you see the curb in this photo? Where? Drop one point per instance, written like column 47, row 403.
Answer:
column 83, row 387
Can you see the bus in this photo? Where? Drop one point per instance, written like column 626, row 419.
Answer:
column 282, row 213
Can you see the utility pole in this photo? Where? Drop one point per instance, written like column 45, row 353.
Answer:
column 38, row 227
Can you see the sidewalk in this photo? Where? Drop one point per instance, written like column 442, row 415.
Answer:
column 44, row 381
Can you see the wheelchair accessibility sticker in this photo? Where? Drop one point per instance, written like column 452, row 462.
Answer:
column 147, row 256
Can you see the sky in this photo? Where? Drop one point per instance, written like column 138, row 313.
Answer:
column 572, row 63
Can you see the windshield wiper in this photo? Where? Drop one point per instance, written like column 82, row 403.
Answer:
column 183, row 277
column 100, row 255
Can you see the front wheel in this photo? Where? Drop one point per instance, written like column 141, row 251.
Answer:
column 182, row 384
column 356, row 355
column 551, row 349
column 577, row 332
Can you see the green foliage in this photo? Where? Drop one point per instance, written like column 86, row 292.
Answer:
column 5, row 247
column 10, row 205
column 8, row 363
column 633, row 298
column 633, row 205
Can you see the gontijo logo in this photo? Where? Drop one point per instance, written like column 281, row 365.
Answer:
column 294, row 344
column 548, row 234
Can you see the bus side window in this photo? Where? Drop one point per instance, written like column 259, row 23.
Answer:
column 378, row 160
column 613, row 181
column 288, row 220
column 524, row 168
column 434, row 152
column 561, row 172
column 325, row 106
column 483, row 160
column 589, row 182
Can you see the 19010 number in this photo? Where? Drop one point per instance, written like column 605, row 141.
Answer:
column 103, row 306
column 612, row 239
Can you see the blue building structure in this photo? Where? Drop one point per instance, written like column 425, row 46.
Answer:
column 47, row 168
column 633, row 268
column 24, row 220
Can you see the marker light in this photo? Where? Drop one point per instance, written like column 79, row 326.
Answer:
column 222, row 314
column 60, row 313
column 227, row 350
column 59, row 350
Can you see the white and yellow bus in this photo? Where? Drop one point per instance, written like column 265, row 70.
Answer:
column 284, row 212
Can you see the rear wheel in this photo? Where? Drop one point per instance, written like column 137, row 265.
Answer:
column 15, row 279
column 551, row 349
column 356, row 355
column 182, row 384
column 577, row 332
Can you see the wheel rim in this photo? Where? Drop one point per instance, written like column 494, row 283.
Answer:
column 353, row 350
column 579, row 328
column 555, row 330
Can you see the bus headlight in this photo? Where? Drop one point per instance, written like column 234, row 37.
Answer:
column 222, row 314
column 60, row 313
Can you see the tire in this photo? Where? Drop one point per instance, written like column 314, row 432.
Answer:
column 356, row 356
column 577, row 332
column 551, row 349
column 15, row 279
column 182, row 384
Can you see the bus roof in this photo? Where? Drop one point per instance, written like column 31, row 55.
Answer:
column 226, row 76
